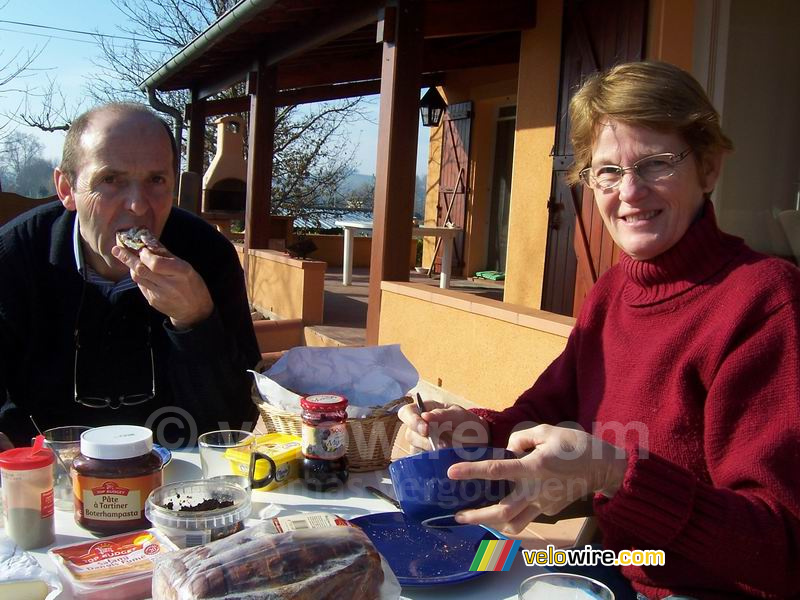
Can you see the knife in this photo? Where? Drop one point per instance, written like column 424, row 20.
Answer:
column 379, row 494
column 421, row 408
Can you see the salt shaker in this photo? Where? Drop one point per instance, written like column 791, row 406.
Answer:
column 27, row 475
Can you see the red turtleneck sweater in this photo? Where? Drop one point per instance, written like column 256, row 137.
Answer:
column 691, row 361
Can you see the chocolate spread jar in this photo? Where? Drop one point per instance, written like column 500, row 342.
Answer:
column 112, row 478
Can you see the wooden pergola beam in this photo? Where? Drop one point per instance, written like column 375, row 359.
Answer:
column 475, row 17
column 295, row 43
column 261, row 143
column 226, row 106
column 328, row 92
column 317, row 34
column 326, row 72
column 502, row 51
column 228, row 76
column 239, row 104
column 397, row 156
column 435, row 60
column 195, row 114
column 237, row 54
column 195, row 147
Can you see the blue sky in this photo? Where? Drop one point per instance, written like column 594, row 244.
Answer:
column 67, row 58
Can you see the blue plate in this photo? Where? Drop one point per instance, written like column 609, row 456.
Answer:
column 423, row 556
column 165, row 454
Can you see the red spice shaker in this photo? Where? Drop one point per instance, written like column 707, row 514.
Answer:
column 28, row 495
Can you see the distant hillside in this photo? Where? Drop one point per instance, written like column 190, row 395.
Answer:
column 357, row 180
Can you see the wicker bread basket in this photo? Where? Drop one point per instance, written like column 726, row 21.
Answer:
column 370, row 439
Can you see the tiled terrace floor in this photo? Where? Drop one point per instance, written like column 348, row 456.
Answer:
column 345, row 313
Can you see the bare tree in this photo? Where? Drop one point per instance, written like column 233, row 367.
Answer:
column 35, row 180
column 160, row 27
column 24, row 171
column 19, row 149
column 157, row 28
column 14, row 69
column 54, row 112
column 312, row 156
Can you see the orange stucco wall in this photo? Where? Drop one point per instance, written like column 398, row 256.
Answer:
column 670, row 29
column 537, row 99
column 330, row 249
column 283, row 287
column 485, row 351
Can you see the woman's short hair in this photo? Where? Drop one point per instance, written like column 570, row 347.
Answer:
column 656, row 95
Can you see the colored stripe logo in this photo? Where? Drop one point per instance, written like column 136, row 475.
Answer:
column 495, row 555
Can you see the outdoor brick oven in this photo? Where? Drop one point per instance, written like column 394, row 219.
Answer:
column 224, row 187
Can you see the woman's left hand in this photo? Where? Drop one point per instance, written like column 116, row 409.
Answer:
column 562, row 465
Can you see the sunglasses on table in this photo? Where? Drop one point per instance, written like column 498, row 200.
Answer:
column 108, row 401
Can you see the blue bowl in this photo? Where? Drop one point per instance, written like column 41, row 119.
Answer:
column 428, row 496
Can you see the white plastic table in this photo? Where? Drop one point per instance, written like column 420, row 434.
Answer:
column 350, row 502
column 445, row 233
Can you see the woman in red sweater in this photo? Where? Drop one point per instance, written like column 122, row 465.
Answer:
column 676, row 401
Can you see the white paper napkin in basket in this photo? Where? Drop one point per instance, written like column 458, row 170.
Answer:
column 368, row 377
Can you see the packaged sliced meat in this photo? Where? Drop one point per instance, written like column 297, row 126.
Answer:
column 315, row 564
column 120, row 566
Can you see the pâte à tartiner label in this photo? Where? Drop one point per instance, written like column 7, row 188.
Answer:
column 120, row 499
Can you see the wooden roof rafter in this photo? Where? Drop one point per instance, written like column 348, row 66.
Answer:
column 298, row 34
column 240, row 104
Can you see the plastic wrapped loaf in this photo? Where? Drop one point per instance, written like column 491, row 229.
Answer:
column 334, row 563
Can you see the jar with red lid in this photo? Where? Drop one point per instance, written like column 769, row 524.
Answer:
column 27, row 475
column 325, row 440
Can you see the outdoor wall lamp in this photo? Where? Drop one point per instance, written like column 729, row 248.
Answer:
column 431, row 107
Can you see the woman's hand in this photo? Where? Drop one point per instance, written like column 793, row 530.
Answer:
column 562, row 466
column 445, row 424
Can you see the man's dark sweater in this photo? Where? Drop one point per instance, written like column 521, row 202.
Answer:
column 200, row 374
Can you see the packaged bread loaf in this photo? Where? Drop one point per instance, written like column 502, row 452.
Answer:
column 318, row 564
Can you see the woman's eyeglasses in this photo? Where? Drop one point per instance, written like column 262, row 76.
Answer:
column 107, row 401
column 650, row 169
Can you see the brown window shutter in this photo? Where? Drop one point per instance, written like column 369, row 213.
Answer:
column 454, row 176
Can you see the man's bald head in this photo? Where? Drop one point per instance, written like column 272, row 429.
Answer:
column 72, row 157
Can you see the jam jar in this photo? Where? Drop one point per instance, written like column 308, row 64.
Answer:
column 112, row 478
column 325, row 440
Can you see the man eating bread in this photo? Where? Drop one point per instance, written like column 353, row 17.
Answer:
column 118, row 307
